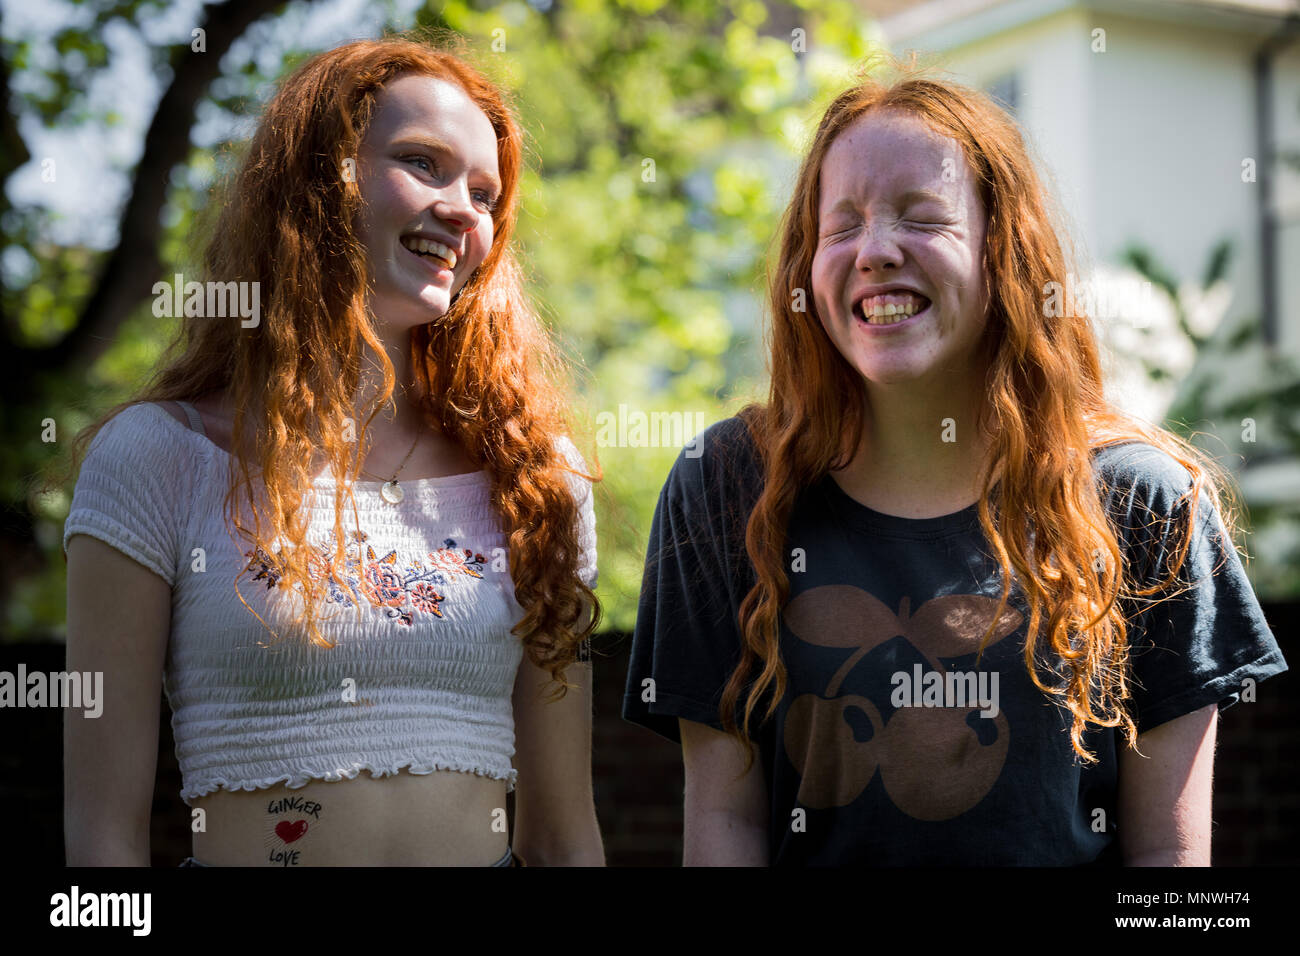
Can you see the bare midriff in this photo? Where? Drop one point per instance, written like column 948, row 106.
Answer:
column 444, row 818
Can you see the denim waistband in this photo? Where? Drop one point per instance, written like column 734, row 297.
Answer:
column 507, row 860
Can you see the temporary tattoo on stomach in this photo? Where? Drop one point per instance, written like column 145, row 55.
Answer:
column 290, row 820
column 288, row 832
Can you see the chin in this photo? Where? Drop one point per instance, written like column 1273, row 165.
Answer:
column 407, row 317
column 430, row 306
column 892, row 375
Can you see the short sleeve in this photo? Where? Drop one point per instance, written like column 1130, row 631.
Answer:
column 133, row 489
column 581, row 487
column 687, row 639
column 1200, row 646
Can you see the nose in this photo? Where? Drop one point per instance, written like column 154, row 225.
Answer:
column 878, row 249
column 454, row 206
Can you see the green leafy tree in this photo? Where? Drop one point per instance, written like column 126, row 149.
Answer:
column 1248, row 417
column 73, row 333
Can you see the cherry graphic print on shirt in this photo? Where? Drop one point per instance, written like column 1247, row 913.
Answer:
column 935, row 762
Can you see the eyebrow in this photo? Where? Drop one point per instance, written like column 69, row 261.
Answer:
column 909, row 198
column 439, row 146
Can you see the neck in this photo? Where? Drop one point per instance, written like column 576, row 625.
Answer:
column 391, row 433
column 921, row 453
column 389, row 425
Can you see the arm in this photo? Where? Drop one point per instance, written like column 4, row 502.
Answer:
column 555, row 811
column 726, row 820
column 119, row 618
column 1164, row 797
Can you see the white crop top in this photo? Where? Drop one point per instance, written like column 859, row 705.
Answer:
column 422, row 683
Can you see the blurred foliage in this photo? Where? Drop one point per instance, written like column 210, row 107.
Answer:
column 662, row 137
column 1237, row 379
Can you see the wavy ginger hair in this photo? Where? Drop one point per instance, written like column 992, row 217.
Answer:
column 486, row 372
column 1045, row 413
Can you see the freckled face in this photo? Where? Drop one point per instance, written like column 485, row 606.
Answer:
column 427, row 171
column 900, row 231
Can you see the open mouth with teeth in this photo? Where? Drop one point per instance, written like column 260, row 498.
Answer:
column 435, row 253
column 890, row 308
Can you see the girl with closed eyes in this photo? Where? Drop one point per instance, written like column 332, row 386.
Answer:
column 347, row 535
column 937, row 602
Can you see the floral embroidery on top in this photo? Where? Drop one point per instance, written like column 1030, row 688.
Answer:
column 400, row 593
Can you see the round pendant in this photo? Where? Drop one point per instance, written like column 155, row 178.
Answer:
column 392, row 493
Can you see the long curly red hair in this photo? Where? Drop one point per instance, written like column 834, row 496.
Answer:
column 487, row 372
column 1046, row 411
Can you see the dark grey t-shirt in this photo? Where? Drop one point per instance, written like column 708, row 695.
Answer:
column 890, row 746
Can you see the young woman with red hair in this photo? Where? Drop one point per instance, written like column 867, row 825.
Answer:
column 881, row 581
column 412, row 582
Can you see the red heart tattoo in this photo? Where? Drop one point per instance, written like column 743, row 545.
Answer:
column 288, row 832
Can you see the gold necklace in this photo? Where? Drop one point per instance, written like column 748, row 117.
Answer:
column 391, row 491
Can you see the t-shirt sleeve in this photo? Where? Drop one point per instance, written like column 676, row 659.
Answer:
column 582, row 492
column 687, row 639
column 1201, row 646
column 132, row 489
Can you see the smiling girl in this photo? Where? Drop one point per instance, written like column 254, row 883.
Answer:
column 354, row 615
column 954, row 606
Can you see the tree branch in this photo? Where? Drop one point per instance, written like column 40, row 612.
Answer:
column 129, row 272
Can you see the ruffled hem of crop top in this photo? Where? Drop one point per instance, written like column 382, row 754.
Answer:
column 294, row 781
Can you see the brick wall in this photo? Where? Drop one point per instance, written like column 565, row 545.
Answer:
column 638, row 775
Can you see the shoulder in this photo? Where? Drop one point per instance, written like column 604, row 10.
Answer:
column 142, row 424
column 1147, row 494
column 569, row 452
column 730, row 443
column 1138, row 472
column 134, row 485
column 576, row 468
column 576, row 472
column 725, row 451
column 174, row 410
column 719, row 472
column 143, row 441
